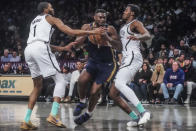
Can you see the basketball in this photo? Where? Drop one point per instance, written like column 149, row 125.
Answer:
column 98, row 40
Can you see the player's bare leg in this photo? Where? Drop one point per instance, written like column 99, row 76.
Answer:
column 94, row 96
column 27, row 125
column 83, row 82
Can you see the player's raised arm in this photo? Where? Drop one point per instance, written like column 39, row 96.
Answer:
column 66, row 29
column 144, row 34
column 113, row 38
column 79, row 40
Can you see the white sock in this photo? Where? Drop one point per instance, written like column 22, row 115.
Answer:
column 83, row 100
column 90, row 113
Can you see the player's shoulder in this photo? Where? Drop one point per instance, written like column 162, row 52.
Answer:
column 111, row 28
column 86, row 26
column 137, row 22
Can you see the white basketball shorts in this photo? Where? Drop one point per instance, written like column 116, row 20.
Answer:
column 131, row 63
column 41, row 61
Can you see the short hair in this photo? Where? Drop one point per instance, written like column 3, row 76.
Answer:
column 100, row 11
column 41, row 6
column 66, row 68
column 135, row 9
column 176, row 62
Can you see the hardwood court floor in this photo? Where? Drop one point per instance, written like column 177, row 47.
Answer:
column 105, row 118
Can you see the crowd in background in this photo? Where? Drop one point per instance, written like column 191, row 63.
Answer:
column 172, row 25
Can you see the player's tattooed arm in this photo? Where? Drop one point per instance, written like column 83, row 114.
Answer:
column 113, row 38
column 144, row 34
column 67, row 30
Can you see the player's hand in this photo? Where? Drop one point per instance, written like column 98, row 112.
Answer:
column 105, row 36
column 69, row 46
column 99, row 31
column 132, row 37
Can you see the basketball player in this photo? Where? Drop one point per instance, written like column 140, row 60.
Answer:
column 131, row 34
column 101, row 65
column 42, row 61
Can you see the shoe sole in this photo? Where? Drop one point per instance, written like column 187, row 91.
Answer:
column 54, row 123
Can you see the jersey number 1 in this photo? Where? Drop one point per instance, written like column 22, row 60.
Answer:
column 34, row 30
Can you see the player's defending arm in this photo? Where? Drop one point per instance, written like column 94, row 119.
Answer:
column 67, row 30
column 60, row 48
column 144, row 34
column 79, row 40
column 113, row 39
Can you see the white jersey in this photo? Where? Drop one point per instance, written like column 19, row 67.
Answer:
column 129, row 45
column 40, row 30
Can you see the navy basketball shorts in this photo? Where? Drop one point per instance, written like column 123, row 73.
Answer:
column 101, row 72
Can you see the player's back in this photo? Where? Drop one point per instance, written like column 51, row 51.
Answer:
column 40, row 30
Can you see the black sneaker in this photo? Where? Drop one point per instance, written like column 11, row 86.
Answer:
column 166, row 101
column 173, row 101
column 83, row 118
column 103, row 103
column 79, row 108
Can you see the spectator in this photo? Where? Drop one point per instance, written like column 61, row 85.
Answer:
column 176, row 53
column 170, row 62
column 180, row 60
column 6, row 69
column 173, row 80
column 143, row 80
column 74, row 78
column 6, row 57
column 20, row 70
column 156, row 80
column 160, row 60
column 151, row 58
column 171, row 51
column 183, row 48
column 15, row 58
column 190, row 78
column 165, row 63
column 163, row 51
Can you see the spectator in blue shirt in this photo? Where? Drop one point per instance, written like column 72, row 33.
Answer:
column 6, row 57
column 173, row 80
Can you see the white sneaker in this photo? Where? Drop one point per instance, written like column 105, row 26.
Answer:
column 187, row 101
column 145, row 117
column 132, row 123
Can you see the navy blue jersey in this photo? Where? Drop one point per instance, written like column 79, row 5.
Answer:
column 99, row 53
column 102, row 53
column 101, row 62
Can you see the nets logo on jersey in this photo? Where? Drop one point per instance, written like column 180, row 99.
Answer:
column 122, row 33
